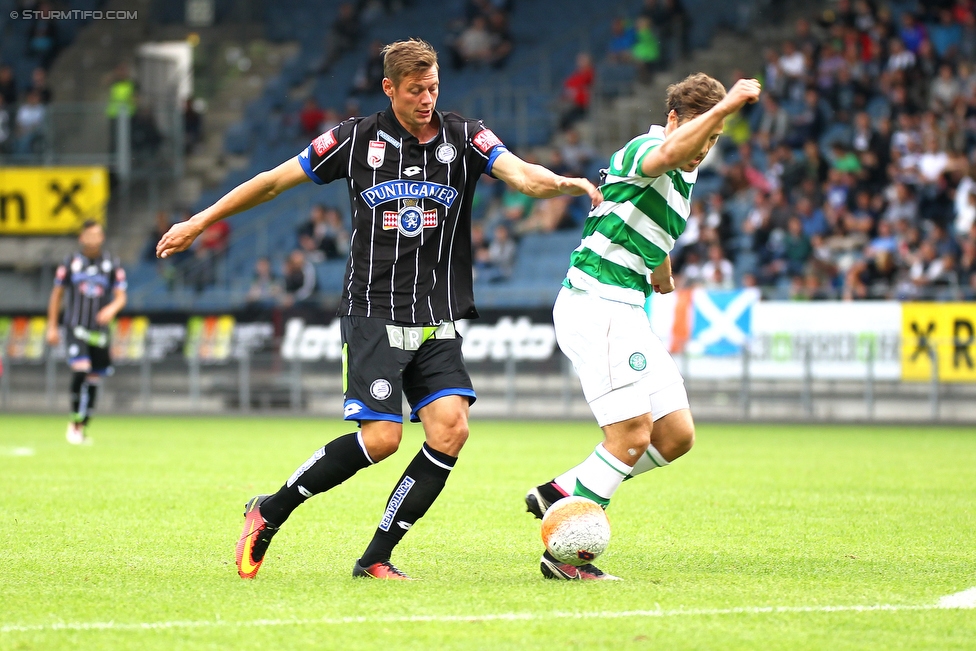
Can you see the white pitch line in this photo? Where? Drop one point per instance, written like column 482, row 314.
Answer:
column 17, row 452
column 964, row 599
column 968, row 603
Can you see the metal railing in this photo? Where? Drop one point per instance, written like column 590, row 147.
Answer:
column 262, row 381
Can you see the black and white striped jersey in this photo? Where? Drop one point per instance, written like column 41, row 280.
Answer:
column 89, row 285
column 410, row 250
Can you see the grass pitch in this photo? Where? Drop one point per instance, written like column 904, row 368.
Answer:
column 750, row 541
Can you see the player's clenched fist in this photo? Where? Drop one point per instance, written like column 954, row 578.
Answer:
column 178, row 238
column 744, row 91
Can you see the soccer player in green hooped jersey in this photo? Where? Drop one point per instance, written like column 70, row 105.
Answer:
column 631, row 383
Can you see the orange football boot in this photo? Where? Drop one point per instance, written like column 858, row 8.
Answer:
column 254, row 539
column 383, row 570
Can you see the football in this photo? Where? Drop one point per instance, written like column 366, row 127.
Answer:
column 575, row 530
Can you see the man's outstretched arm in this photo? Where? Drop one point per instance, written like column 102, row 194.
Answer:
column 263, row 187
column 538, row 182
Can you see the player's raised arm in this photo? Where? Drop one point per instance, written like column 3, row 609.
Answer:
column 690, row 141
column 263, row 187
column 538, row 182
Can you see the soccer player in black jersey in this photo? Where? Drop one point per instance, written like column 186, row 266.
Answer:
column 92, row 285
column 411, row 173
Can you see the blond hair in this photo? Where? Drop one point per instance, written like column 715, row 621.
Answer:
column 405, row 58
column 694, row 95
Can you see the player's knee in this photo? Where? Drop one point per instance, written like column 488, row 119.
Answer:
column 684, row 440
column 676, row 437
column 450, row 434
column 381, row 438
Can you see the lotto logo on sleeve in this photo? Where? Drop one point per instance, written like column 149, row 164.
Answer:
column 485, row 140
column 324, row 143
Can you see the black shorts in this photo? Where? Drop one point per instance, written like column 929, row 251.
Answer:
column 383, row 359
column 80, row 345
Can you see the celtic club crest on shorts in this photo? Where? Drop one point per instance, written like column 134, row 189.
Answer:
column 411, row 218
column 638, row 362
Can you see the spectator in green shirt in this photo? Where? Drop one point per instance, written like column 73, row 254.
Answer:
column 647, row 49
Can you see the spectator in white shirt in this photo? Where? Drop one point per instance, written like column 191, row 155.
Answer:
column 717, row 272
column 792, row 63
column 29, row 123
column 900, row 58
column 944, row 89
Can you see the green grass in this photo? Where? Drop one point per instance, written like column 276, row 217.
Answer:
column 140, row 528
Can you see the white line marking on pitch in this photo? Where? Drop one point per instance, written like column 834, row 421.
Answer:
column 17, row 452
column 964, row 599
column 961, row 601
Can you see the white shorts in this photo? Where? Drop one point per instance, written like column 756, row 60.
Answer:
column 623, row 367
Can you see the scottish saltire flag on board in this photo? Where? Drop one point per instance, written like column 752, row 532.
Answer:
column 703, row 322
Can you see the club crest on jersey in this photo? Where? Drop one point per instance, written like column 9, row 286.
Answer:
column 376, row 154
column 445, row 152
column 90, row 289
column 409, row 220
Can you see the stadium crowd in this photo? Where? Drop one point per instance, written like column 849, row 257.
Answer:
column 22, row 110
column 853, row 177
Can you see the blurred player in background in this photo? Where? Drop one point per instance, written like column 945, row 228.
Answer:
column 92, row 286
column 631, row 383
column 411, row 173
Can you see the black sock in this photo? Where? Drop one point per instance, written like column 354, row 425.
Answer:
column 550, row 492
column 77, row 379
column 92, row 397
column 331, row 465
column 416, row 491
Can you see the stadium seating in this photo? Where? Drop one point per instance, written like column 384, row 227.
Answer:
column 517, row 102
column 14, row 35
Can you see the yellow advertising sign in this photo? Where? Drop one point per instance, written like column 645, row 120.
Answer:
column 51, row 200
column 948, row 327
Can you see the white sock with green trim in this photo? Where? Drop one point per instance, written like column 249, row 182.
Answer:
column 596, row 478
column 649, row 461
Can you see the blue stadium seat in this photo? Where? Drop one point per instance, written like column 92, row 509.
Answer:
column 330, row 277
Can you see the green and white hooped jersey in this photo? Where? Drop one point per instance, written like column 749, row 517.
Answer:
column 635, row 227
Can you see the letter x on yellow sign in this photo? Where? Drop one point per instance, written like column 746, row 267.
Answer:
column 947, row 328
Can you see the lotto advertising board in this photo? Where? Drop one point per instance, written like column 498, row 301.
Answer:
column 51, row 200
column 707, row 333
column 525, row 337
